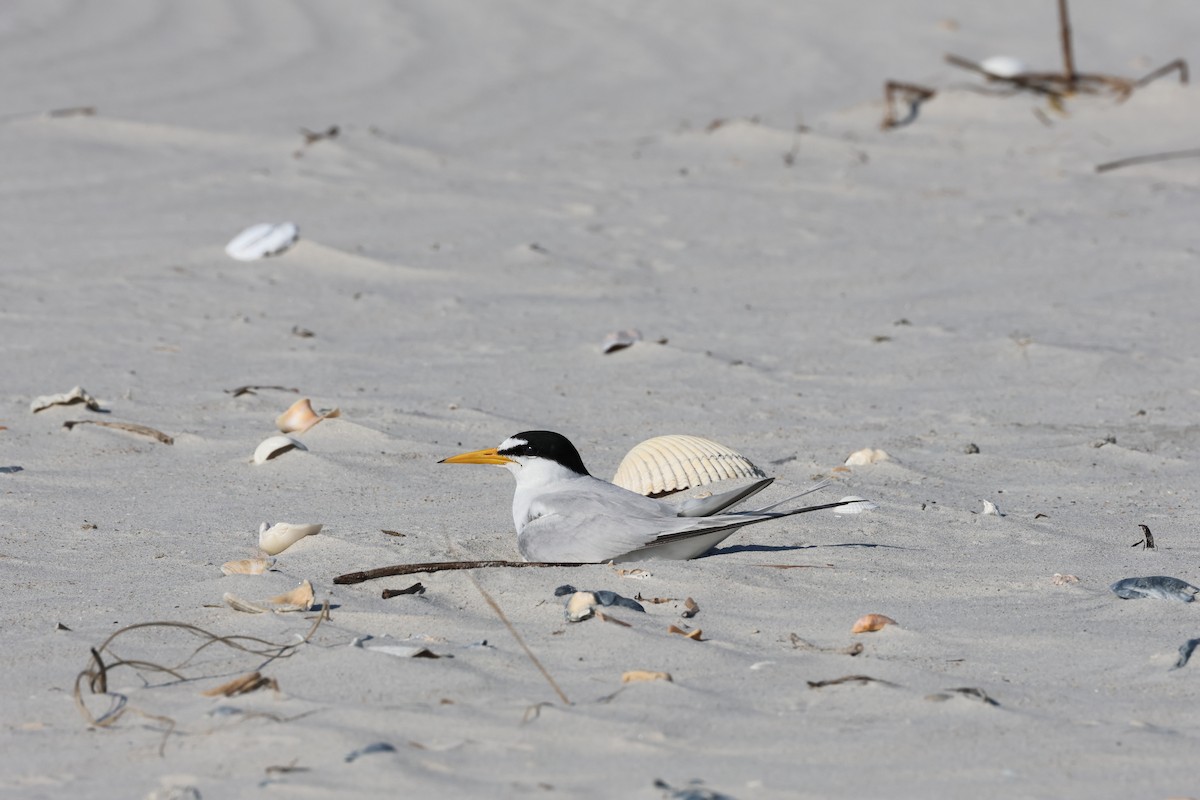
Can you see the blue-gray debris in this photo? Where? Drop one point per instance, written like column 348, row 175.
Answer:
column 603, row 597
column 1185, row 652
column 1160, row 586
column 693, row 791
column 377, row 747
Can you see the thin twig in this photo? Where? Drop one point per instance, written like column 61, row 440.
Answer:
column 129, row 427
column 1148, row 159
column 440, row 566
column 1064, row 28
column 500, row 613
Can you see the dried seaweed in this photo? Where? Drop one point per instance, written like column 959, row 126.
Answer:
column 95, row 673
column 439, row 566
column 849, row 679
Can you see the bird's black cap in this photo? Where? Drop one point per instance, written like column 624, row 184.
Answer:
column 548, row 445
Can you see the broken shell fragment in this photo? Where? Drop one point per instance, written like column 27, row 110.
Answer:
column 1160, row 587
column 238, row 604
column 855, row 505
column 262, row 240
column 619, row 340
column 1002, row 66
column 868, row 455
column 672, row 463
column 276, row 446
column 274, row 539
column 580, row 606
column 76, row 395
column 247, row 566
column 870, row 623
column 300, row 417
column 640, row 675
column 298, row 599
column 990, row 509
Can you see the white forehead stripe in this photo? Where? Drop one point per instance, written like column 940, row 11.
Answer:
column 510, row 442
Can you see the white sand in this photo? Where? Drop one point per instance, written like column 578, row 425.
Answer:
column 510, row 183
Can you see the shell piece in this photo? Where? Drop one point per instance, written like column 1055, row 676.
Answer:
column 1160, row 587
column 989, row 508
column 868, row 455
column 300, row 417
column 640, row 675
column 580, row 606
column 248, row 566
column 262, row 240
column 855, row 505
column 76, row 395
column 238, row 604
column 298, row 599
column 275, row 446
column 274, row 539
column 619, row 340
column 870, row 623
column 672, row 463
column 1060, row 579
column 1003, row 66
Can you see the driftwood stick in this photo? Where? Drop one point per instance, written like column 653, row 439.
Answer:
column 439, row 566
column 1178, row 65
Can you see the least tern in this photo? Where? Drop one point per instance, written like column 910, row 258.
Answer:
column 563, row 513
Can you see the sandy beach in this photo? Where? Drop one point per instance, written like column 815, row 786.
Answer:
column 485, row 192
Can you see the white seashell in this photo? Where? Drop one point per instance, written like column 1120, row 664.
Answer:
column 262, row 240
column 619, row 340
column 1003, row 66
column 248, row 566
column 676, row 462
column 855, row 505
column 76, row 395
column 276, row 446
column 274, row 539
column 300, row 417
column 860, row 458
column 581, row 606
column 238, row 604
column 298, row 599
column 990, row 508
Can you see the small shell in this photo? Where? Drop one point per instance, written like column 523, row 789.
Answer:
column 1060, row 579
column 276, row 446
column 1003, row 66
column 274, row 539
column 248, row 566
column 860, row 458
column 989, row 508
column 76, row 395
column 855, row 505
column 871, row 623
column 619, row 340
column 300, row 417
column 667, row 464
column 238, row 604
column 580, row 606
column 640, row 675
column 693, row 634
column 262, row 240
column 298, row 599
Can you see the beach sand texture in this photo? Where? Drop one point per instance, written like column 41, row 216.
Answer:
column 510, row 182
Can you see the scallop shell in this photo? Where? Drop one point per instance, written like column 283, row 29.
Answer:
column 672, row 463
column 1003, row 66
column 298, row 599
column 619, row 340
column 262, row 240
column 300, row 417
column 248, row 566
column 276, row 446
column 274, row 539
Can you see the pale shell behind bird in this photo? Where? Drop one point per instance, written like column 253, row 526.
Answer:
column 672, row 463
